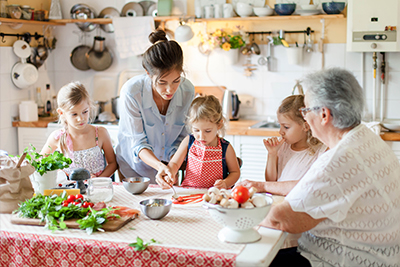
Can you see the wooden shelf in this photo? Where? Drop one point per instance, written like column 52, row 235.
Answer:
column 30, row 22
column 62, row 22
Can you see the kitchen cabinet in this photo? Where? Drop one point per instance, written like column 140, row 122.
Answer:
column 253, row 154
column 32, row 135
column 395, row 146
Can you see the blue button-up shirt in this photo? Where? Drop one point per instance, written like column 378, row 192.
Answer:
column 142, row 126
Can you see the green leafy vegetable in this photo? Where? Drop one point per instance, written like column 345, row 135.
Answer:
column 139, row 245
column 94, row 220
column 48, row 162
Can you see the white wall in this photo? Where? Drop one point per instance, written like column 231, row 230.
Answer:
column 267, row 88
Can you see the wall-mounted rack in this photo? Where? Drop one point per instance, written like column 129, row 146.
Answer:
column 307, row 31
column 26, row 36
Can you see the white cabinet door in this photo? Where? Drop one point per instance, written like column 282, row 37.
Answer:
column 254, row 156
column 395, row 146
column 30, row 135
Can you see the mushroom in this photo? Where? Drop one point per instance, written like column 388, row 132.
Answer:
column 247, row 205
column 206, row 197
column 224, row 202
column 213, row 199
column 233, row 204
column 252, row 191
column 259, row 201
column 213, row 190
column 225, row 193
column 219, row 198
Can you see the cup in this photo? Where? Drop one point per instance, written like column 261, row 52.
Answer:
column 209, row 12
column 227, row 10
column 218, row 9
column 294, row 55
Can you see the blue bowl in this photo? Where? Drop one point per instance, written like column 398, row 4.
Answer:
column 333, row 7
column 285, row 9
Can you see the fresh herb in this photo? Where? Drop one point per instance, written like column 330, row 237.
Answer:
column 48, row 162
column 95, row 219
column 139, row 245
column 132, row 228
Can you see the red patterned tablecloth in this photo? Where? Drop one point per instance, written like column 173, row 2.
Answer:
column 188, row 237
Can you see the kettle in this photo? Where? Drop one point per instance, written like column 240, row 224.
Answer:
column 230, row 105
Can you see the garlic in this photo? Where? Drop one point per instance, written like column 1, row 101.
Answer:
column 247, row 205
column 233, row 204
column 213, row 190
column 259, row 201
column 206, row 197
column 252, row 191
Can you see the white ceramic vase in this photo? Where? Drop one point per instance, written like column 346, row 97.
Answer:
column 47, row 181
column 230, row 57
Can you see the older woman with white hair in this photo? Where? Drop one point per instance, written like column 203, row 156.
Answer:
column 348, row 204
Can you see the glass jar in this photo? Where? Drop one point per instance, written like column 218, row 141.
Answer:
column 100, row 189
column 3, row 8
column 26, row 12
column 14, row 11
column 39, row 15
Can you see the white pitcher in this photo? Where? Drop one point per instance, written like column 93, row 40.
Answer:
column 47, row 181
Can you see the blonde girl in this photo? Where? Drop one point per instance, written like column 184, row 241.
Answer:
column 290, row 156
column 210, row 159
column 85, row 144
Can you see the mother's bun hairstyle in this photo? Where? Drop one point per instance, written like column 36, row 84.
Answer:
column 163, row 56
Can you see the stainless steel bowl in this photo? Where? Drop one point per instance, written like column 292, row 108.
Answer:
column 136, row 185
column 155, row 208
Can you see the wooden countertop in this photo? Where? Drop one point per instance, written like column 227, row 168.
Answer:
column 240, row 127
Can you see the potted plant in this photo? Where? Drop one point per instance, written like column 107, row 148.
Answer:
column 46, row 167
column 228, row 40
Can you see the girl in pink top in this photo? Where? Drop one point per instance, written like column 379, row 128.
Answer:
column 85, row 144
column 210, row 159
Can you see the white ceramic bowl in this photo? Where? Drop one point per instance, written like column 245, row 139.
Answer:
column 263, row 11
column 244, row 9
column 309, row 7
column 238, row 223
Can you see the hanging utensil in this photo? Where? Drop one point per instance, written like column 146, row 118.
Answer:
column 99, row 58
column 255, row 49
column 309, row 42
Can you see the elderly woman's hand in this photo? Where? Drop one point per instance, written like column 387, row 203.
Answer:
column 164, row 178
column 249, row 184
column 273, row 144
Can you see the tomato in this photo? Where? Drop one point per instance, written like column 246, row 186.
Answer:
column 78, row 196
column 85, row 205
column 70, row 198
column 91, row 204
column 240, row 194
column 64, row 203
column 76, row 203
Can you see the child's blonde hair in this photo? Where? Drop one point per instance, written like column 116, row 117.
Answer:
column 69, row 96
column 290, row 108
column 207, row 108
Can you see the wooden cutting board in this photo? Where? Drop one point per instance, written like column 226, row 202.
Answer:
column 113, row 225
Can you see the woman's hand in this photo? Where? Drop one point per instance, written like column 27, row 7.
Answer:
column 273, row 144
column 249, row 184
column 164, row 178
column 220, row 184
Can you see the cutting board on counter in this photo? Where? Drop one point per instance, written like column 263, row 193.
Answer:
column 113, row 225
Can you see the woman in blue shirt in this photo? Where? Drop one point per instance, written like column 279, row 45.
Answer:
column 153, row 110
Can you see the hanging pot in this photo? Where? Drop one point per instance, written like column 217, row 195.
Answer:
column 23, row 74
column 99, row 58
column 82, row 11
column 78, row 57
column 107, row 13
column 114, row 106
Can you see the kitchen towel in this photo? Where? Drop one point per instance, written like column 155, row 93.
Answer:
column 132, row 35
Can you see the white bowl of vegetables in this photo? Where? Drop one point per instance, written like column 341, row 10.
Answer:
column 238, row 211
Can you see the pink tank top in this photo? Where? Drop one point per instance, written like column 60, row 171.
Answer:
column 91, row 159
column 204, row 165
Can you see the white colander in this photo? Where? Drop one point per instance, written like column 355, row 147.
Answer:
column 238, row 223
